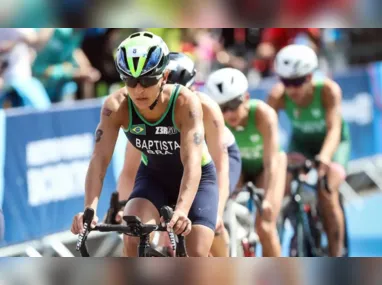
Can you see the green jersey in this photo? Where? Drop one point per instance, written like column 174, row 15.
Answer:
column 250, row 142
column 309, row 124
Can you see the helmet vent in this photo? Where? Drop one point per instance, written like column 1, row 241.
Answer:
column 134, row 35
column 232, row 79
column 135, row 62
column 220, row 87
column 148, row 35
column 296, row 65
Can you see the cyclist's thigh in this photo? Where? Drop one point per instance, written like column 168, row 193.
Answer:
column 234, row 167
column 199, row 241
column 341, row 157
column 205, row 206
column 147, row 197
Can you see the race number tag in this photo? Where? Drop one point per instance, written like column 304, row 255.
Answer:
column 136, row 51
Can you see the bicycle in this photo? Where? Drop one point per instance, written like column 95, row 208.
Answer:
column 240, row 219
column 300, row 207
column 134, row 227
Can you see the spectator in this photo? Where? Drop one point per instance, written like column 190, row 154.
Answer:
column 17, row 51
column 273, row 39
column 63, row 67
column 102, row 57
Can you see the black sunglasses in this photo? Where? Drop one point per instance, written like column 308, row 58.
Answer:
column 295, row 82
column 232, row 105
column 144, row 81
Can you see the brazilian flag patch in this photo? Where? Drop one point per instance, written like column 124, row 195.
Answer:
column 138, row 129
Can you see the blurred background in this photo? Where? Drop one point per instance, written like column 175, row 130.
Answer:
column 53, row 82
column 191, row 271
column 183, row 13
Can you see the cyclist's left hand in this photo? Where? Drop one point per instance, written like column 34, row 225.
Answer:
column 180, row 223
column 323, row 167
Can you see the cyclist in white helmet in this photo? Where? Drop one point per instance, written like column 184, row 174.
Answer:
column 221, row 145
column 254, row 125
column 314, row 108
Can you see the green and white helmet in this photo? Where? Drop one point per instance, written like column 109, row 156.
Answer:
column 142, row 54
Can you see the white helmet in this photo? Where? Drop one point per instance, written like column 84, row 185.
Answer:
column 295, row 61
column 226, row 84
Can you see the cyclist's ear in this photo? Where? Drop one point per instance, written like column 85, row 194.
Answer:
column 247, row 96
column 165, row 75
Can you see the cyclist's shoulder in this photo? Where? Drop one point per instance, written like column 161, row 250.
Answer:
column 207, row 102
column 331, row 90
column 277, row 91
column 264, row 114
column 186, row 98
column 116, row 100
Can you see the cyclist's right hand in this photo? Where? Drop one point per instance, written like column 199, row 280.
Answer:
column 78, row 224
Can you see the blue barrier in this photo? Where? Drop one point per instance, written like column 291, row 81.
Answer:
column 44, row 155
column 46, row 158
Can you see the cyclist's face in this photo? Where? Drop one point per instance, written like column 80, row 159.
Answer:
column 143, row 97
column 297, row 92
column 234, row 117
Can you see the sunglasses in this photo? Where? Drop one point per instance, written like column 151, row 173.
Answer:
column 232, row 105
column 295, row 82
column 144, row 81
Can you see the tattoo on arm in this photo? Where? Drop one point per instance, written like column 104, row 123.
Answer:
column 198, row 138
column 216, row 123
column 98, row 135
column 106, row 112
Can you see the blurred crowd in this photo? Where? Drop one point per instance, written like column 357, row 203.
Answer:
column 39, row 67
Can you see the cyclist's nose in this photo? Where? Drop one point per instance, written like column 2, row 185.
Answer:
column 139, row 88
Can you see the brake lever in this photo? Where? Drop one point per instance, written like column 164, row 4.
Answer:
column 166, row 213
column 87, row 220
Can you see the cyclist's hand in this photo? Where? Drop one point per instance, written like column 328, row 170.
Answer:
column 78, row 224
column 267, row 211
column 180, row 223
column 219, row 225
column 118, row 217
column 323, row 166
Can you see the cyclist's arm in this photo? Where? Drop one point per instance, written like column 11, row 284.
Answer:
column 189, row 119
column 217, row 147
column 275, row 97
column 267, row 124
column 105, row 139
column 331, row 99
column 126, row 179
